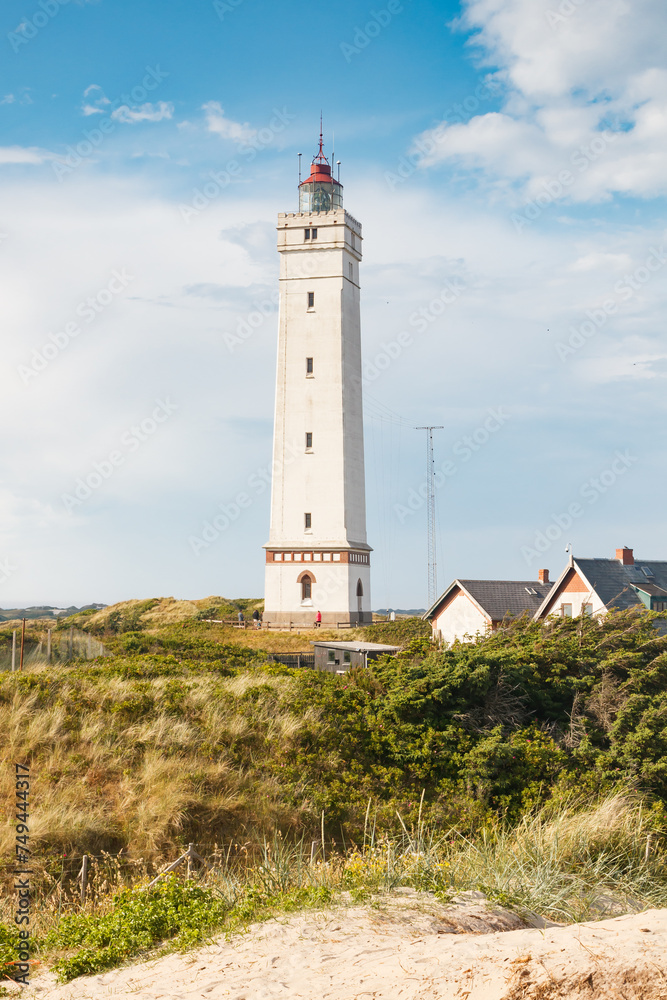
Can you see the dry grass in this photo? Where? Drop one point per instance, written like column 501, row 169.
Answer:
column 118, row 763
column 569, row 863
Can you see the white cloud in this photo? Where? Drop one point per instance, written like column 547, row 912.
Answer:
column 584, row 91
column 20, row 154
column 144, row 113
column 226, row 128
column 8, row 99
column 99, row 101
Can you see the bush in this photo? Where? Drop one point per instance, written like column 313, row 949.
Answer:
column 399, row 632
column 9, row 953
column 140, row 919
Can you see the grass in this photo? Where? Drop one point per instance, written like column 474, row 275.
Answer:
column 123, row 761
column 185, row 733
column 581, row 861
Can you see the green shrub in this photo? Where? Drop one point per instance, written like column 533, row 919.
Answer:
column 135, row 642
column 9, row 943
column 399, row 632
column 140, row 919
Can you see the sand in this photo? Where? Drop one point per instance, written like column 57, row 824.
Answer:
column 405, row 947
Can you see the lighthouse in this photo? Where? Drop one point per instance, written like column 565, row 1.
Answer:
column 317, row 556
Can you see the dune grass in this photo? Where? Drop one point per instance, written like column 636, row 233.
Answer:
column 580, row 861
column 180, row 735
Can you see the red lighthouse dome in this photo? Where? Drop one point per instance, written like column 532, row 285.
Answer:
column 320, row 192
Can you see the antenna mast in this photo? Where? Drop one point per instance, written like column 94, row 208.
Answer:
column 430, row 514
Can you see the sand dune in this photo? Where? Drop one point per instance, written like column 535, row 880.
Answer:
column 406, row 947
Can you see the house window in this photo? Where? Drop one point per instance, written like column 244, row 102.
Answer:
column 306, row 588
column 311, row 300
column 308, row 521
column 313, row 234
column 566, row 610
column 331, row 655
column 347, row 657
column 309, row 440
column 309, row 366
column 306, row 234
column 587, row 610
column 660, row 605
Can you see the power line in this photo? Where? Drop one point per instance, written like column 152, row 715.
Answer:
column 430, row 514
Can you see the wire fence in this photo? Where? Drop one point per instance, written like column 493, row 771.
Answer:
column 70, row 883
column 58, row 646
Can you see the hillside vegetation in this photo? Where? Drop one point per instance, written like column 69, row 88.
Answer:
column 185, row 732
column 182, row 734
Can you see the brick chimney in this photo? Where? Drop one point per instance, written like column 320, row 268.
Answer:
column 625, row 556
column 543, row 576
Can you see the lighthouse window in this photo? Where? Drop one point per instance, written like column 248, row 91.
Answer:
column 311, row 300
column 309, row 439
column 351, row 270
column 309, row 366
column 306, row 588
column 306, row 234
column 314, row 234
column 308, row 521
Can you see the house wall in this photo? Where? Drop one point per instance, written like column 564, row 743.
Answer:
column 322, row 661
column 460, row 617
column 574, row 591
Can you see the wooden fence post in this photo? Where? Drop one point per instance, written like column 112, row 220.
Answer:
column 48, row 646
column 84, row 880
column 22, row 644
column 189, row 856
column 14, row 651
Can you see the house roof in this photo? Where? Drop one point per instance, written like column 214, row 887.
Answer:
column 359, row 647
column 651, row 589
column 616, row 584
column 498, row 598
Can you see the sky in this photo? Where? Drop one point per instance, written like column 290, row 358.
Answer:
column 508, row 162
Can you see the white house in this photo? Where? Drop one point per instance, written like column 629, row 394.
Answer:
column 593, row 586
column 472, row 608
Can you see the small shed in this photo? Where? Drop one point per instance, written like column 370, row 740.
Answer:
column 339, row 657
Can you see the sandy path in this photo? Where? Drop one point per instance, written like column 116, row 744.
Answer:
column 408, row 948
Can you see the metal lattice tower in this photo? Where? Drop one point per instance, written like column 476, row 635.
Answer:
column 430, row 514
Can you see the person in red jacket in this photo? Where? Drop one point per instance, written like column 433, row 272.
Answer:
column 318, row 619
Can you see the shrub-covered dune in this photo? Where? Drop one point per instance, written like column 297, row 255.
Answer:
column 531, row 764
column 190, row 738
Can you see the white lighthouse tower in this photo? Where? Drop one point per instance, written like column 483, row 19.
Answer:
column 317, row 556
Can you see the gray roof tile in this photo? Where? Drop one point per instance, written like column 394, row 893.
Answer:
column 507, row 597
column 614, row 583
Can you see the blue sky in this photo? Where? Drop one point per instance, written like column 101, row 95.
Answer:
column 507, row 159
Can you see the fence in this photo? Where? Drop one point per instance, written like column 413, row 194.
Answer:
column 68, row 882
column 285, row 626
column 58, row 646
column 293, row 659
